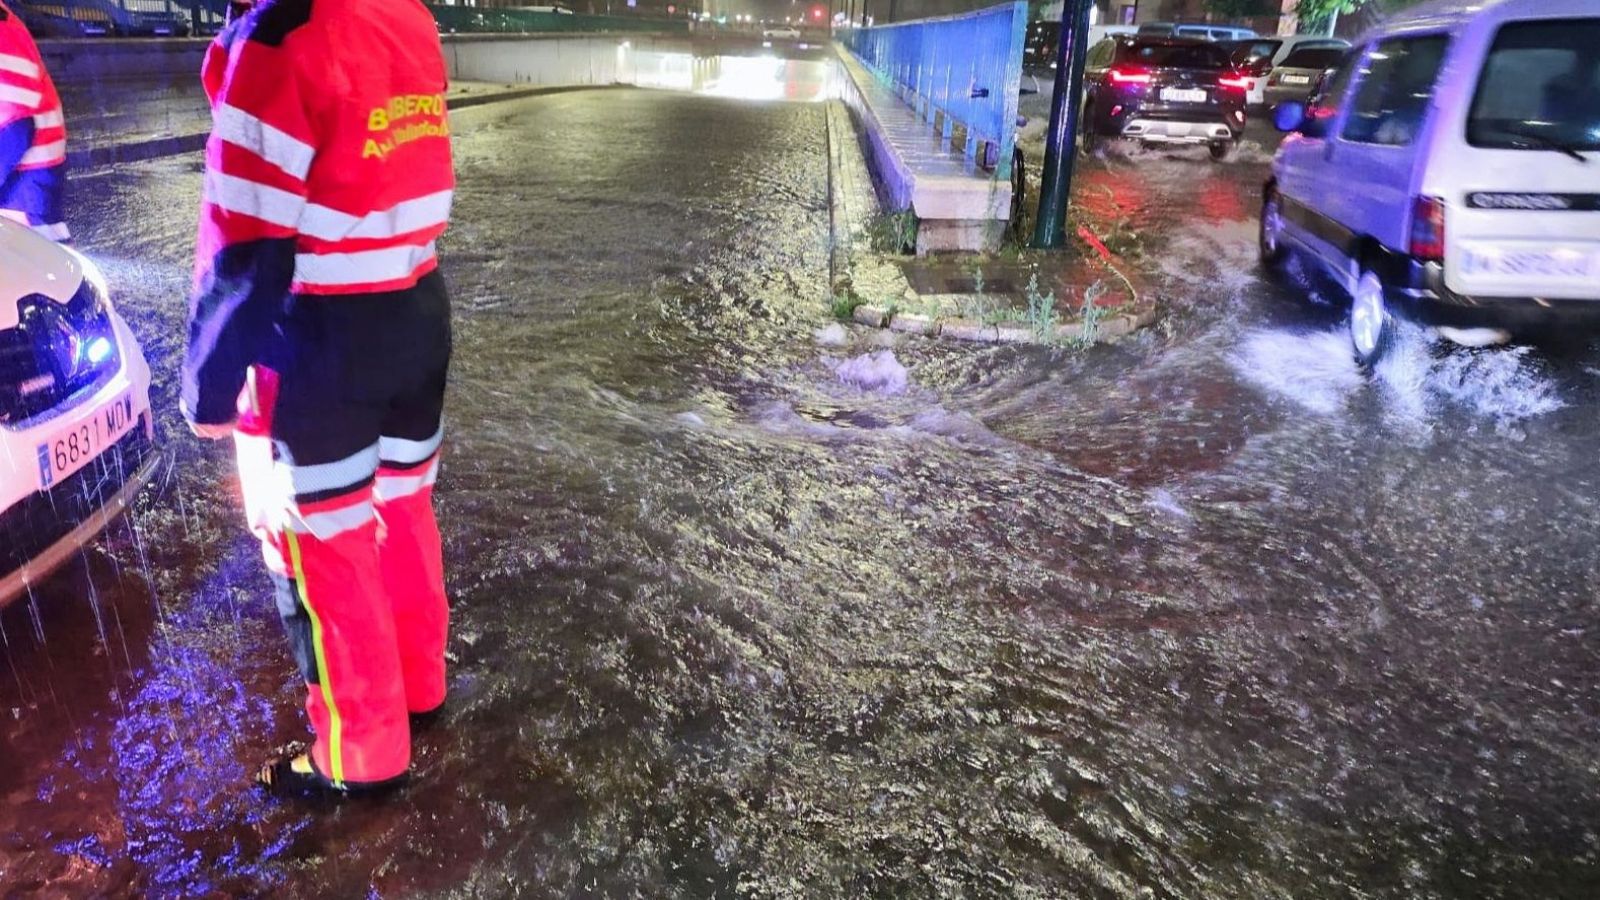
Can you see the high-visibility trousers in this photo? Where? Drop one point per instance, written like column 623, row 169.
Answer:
column 338, row 450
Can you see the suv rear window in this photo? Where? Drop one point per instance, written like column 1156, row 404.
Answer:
column 1540, row 88
column 1313, row 58
column 1174, row 56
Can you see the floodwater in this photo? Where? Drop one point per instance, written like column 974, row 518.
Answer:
column 745, row 609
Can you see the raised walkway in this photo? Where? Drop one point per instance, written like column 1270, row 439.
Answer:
column 958, row 205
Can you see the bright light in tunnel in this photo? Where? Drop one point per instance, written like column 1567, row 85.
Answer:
column 751, row 78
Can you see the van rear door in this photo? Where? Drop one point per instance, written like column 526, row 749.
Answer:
column 1523, row 219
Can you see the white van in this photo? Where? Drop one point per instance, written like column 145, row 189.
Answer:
column 1450, row 172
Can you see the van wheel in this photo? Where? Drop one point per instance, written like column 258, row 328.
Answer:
column 1269, row 241
column 1371, row 325
column 1221, row 149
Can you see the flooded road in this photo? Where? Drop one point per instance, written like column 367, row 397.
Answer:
column 1202, row 614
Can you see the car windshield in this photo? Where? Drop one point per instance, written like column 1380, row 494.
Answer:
column 1175, row 56
column 1540, row 88
column 1313, row 58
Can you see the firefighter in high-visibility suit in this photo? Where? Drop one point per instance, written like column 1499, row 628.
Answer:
column 319, row 337
column 33, row 134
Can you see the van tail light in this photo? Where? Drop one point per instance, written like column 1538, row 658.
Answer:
column 1427, row 229
column 1130, row 76
column 1238, row 83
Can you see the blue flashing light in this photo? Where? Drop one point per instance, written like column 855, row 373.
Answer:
column 98, row 350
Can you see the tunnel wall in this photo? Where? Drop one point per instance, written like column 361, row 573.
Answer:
column 550, row 60
column 134, row 61
column 543, row 60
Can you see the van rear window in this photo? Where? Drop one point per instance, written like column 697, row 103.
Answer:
column 1540, row 88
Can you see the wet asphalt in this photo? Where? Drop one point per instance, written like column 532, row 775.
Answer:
column 1206, row 613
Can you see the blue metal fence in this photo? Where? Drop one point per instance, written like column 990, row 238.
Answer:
column 964, row 69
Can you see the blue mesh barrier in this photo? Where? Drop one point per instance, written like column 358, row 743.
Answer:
column 964, row 70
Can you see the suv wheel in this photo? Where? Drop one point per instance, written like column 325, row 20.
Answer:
column 1371, row 326
column 1269, row 241
column 1221, row 149
column 1088, row 139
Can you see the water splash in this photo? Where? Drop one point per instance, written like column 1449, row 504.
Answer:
column 879, row 372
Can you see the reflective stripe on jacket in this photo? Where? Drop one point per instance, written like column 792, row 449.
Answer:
column 33, row 133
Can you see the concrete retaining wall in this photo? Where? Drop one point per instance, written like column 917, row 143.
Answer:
column 543, row 60
column 556, row 60
column 109, row 61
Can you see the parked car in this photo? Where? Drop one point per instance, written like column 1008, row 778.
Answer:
column 1260, row 57
column 1450, row 172
column 1299, row 75
column 1198, row 31
column 1161, row 90
column 75, row 425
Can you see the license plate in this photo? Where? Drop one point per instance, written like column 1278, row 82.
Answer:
column 70, row 449
column 1297, row 79
column 1180, row 95
column 1532, row 264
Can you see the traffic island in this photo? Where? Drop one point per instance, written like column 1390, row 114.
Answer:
column 1082, row 295
column 1056, row 300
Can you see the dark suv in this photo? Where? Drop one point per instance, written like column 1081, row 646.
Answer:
column 1160, row 90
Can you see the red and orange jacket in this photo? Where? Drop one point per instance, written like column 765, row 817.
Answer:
column 328, row 173
column 33, row 134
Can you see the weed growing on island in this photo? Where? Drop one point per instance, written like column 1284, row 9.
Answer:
column 894, row 232
column 1092, row 313
column 1041, row 317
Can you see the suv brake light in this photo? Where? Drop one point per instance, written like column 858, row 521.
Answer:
column 1427, row 229
column 1131, row 76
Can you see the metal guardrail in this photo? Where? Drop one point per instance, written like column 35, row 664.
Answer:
column 475, row 20
column 964, row 70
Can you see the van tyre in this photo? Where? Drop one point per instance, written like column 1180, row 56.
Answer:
column 1269, row 237
column 1371, row 324
column 1221, row 149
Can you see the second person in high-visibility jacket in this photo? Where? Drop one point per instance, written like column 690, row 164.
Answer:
column 33, row 134
column 319, row 337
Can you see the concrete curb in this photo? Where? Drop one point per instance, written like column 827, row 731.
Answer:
column 154, row 148
column 1111, row 328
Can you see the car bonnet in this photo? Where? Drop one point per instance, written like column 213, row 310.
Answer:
column 30, row 264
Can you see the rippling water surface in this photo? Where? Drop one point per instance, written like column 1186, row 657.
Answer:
column 739, row 612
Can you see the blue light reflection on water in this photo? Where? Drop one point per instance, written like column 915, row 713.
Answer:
column 178, row 750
